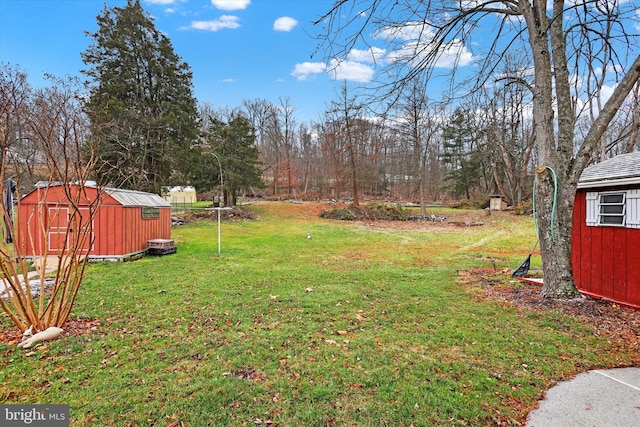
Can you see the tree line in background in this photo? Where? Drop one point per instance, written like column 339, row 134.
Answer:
column 420, row 152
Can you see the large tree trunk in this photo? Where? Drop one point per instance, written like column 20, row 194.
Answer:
column 554, row 220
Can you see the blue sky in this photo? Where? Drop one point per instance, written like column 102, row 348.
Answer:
column 237, row 49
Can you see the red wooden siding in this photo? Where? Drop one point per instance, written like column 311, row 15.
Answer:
column 605, row 260
column 116, row 230
column 29, row 237
column 136, row 231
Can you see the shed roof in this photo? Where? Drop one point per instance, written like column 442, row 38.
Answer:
column 128, row 198
column 623, row 169
column 137, row 198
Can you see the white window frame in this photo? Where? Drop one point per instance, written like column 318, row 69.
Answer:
column 612, row 218
column 630, row 212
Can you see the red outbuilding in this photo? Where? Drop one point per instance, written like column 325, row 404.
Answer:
column 606, row 230
column 123, row 222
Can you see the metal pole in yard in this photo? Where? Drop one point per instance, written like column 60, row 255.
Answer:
column 222, row 191
column 218, row 231
column 219, row 225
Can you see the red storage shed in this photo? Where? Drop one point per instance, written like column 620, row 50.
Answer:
column 606, row 230
column 123, row 222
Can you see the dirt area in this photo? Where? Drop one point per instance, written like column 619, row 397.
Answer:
column 620, row 324
column 230, row 214
column 443, row 223
column 73, row 328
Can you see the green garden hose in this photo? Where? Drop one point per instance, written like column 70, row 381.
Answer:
column 541, row 169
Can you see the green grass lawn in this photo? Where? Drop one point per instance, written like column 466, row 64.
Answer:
column 358, row 325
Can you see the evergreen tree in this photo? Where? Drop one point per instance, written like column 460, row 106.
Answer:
column 233, row 144
column 461, row 157
column 204, row 169
column 141, row 105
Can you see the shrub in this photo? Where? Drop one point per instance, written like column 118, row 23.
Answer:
column 342, row 214
column 386, row 211
column 372, row 211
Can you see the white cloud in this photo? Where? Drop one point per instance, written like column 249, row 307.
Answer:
column 496, row 6
column 228, row 80
column 231, row 4
column 450, row 55
column 350, row 70
column 225, row 21
column 411, row 31
column 373, row 54
column 304, row 70
column 454, row 54
column 416, row 38
column 163, row 2
column 606, row 92
column 168, row 10
column 284, row 23
column 405, row 54
column 338, row 70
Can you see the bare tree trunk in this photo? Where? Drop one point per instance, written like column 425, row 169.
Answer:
column 354, row 174
column 421, row 188
column 634, row 137
column 554, row 221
